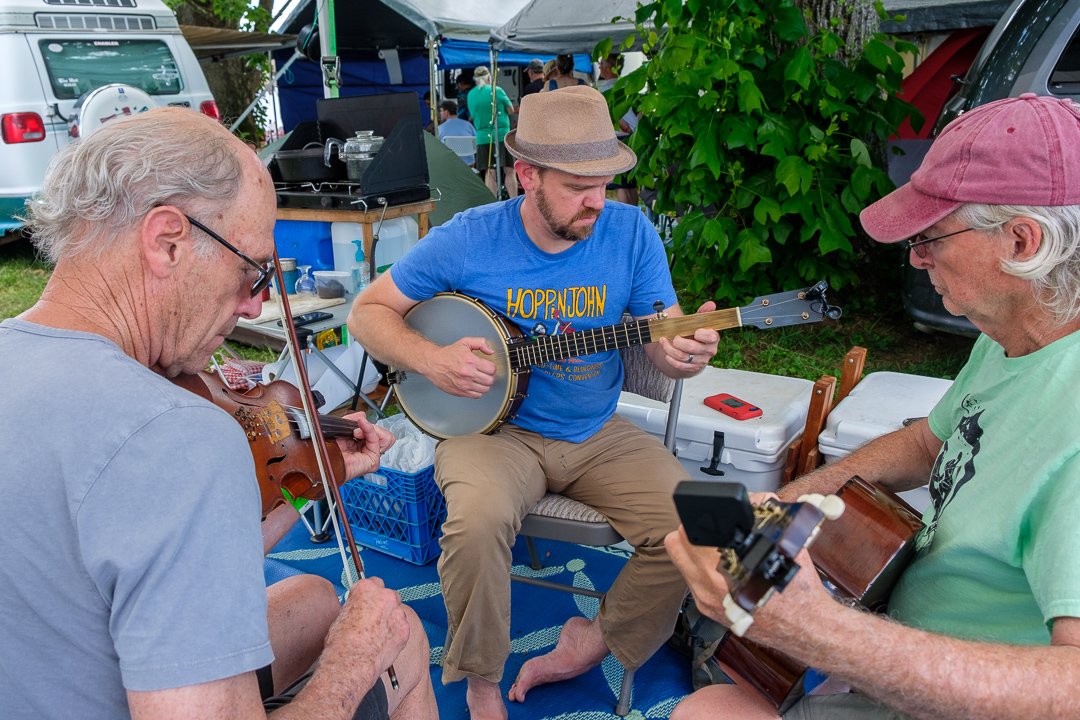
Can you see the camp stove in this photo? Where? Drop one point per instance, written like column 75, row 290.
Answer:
column 343, row 195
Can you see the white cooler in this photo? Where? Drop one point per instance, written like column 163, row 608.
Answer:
column 877, row 405
column 751, row 452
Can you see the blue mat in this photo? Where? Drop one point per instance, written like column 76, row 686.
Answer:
column 537, row 616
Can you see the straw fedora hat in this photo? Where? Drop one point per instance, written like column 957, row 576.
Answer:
column 569, row 130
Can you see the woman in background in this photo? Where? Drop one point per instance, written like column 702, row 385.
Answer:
column 564, row 74
column 491, row 109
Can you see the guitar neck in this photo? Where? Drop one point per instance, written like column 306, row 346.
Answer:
column 549, row 348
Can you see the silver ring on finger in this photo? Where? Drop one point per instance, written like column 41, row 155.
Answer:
column 690, row 359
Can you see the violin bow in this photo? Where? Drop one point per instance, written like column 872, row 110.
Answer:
column 322, row 457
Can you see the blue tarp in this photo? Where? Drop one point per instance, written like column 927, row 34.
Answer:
column 466, row 54
column 302, row 85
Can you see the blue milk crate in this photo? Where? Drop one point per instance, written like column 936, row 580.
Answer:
column 400, row 514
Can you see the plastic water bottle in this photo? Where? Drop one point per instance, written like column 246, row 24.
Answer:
column 360, row 273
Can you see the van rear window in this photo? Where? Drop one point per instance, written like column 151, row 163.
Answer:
column 76, row 67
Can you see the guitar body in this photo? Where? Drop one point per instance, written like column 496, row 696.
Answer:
column 445, row 319
column 860, row 554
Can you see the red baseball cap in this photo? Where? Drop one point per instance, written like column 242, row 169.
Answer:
column 1016, row 151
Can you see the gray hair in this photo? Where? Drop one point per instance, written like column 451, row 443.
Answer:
column 1054, row 271
column 103, row 185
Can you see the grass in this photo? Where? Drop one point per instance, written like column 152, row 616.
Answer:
column 22, row 278
column 806, row 351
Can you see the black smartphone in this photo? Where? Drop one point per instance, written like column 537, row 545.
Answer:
column 714, row 514
column 309, row 317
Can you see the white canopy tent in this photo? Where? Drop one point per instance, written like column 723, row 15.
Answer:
column 457, row 19
column 565, row 26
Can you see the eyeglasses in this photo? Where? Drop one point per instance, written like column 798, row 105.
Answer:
column 265, row 271
column 919, row 241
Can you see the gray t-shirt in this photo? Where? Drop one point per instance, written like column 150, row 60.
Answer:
column 130, row 548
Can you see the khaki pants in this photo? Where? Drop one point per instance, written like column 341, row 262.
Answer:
column 846, row 706
column 491, row 481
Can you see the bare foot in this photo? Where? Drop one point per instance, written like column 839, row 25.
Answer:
column 581, row 647
column 484, row 700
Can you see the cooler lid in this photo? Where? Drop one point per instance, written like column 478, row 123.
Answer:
column 783, row 402
column 879, row 404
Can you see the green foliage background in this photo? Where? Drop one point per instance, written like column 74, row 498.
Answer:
column 233, row 81
column 763, row 138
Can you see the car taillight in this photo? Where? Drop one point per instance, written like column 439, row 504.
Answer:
column 22, row 127
column 209, row 108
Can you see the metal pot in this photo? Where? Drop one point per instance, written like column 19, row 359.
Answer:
column 358, row 151
column 312, row 163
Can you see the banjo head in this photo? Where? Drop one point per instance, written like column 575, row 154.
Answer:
column 445, row 319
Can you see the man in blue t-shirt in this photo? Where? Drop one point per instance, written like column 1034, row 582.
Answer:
column 450, row 125
column 560, row 260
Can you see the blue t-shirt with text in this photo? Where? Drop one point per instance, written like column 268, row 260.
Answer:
column 485, row 253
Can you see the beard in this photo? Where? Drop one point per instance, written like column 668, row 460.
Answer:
column 564, row 230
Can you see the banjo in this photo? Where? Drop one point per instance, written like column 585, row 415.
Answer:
column 448, row 317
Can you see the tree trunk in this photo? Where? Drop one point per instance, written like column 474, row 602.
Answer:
column 234, row 81
column 853, row 20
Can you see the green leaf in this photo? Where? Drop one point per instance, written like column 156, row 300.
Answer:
column 800, row 68
column 789, row 24
column 705, row 152
column 860, row 153
column 767, row 209
column 832, row 241
column 737, row 133
column 781, row 231
column 877, row 54
column 725, row 68
column 750, row 97
column 860, row 183
column 849, row 201
column 794, row 174
column 752, row 250
column 602, row 49
column 714, row 235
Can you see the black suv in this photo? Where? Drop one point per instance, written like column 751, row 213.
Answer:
column 1034, row 47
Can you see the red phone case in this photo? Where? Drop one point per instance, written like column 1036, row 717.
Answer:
column 732, row 406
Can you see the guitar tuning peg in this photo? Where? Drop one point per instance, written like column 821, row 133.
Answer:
column 658, row 308
column 831, row 506
column 740, row 619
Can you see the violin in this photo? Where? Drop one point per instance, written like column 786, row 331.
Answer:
column 279, row 434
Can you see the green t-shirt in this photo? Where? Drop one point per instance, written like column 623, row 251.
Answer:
column 479, row 101
column 1000, row 555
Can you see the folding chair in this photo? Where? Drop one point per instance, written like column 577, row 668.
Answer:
column 464, row 146
column 559, row 518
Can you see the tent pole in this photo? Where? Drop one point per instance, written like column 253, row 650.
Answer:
column 331, row 64
column 495, row 121
column 433, row 70
column 268, row 86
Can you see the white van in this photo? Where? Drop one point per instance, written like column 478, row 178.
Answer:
column 54, row 52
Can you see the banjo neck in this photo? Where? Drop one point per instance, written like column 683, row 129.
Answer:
column 447, row 317
column 537, row 350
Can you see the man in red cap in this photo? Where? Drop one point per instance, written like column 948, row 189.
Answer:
column 984, row 621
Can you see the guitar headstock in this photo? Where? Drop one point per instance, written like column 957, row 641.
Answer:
column 790, row 308
column 757, row 544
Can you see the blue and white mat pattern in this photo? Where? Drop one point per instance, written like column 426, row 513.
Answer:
column 537, row 616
